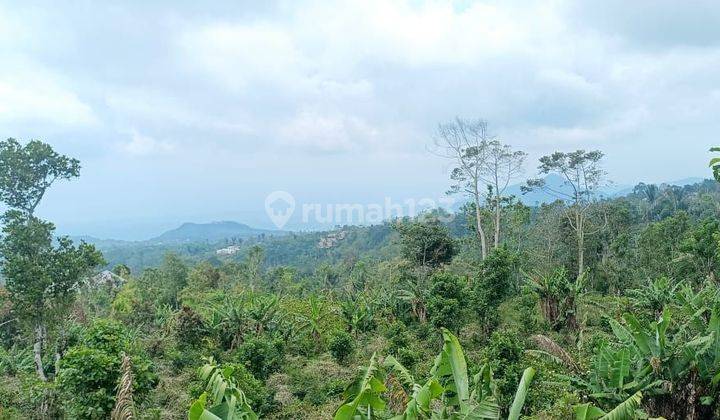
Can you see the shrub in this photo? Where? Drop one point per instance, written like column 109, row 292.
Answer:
column 342, row 346
column 261, row 356
column 260, row 397
column 447, row 301
column 89, row 372
column 503, row 354
column 189, row 327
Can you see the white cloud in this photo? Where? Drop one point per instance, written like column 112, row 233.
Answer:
column 159, row 107
column 313, row 132
column 30, row 93
column 365, row 80
column 238, row 55
column 142, row 145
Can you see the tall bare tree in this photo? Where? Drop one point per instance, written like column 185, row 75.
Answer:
column 501, row 166
column 582, row 177
column 481, row 163
column 464, row 142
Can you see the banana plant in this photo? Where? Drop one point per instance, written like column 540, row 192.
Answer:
column 448, row 394
column 363, row 397
column 222, row 399
column 313, row 321
column 230, row 321
column 358, row 315
column 263, row 312
column 666, row 364
column 626, row 410
column 558, row 296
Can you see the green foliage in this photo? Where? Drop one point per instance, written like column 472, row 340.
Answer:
column 626, row 410
column 261, row 355
column 15, row 360
column 40, row 274
column 447, row 301
column 362, row 397
column 189, row 327
column 89, row 371
column 701, row 248
column 715, row 164
column 26, row 172
column 503, row 355
column 341, row 346
column 493, row 284
column 258, row 395
column 558, row 296
column 223, row 399
column 653, row 355
column 426, row 242
column 642, row 320
column 449, row 392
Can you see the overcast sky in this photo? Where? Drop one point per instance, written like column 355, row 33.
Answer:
column 191, row 111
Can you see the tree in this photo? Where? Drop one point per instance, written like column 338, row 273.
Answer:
column 341, row 346
column 41, row 276
column 313, row 320
column 701, row 248
column 426, row 242
column 558, row 296
column 480, row 160
column 26, row 172
column 465, row 143
column 715, row 164
column 650, row 194
column 174, row 278
column 254, row 265
column 261, row 355
column 582, row 177
column 502, row 165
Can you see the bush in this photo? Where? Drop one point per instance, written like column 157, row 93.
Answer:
column 447, row 301
column 493, row 286
column 503, row 353
column 260, row 397
column 318, row 381
column 342, row 346
column 261, row 356
column 89, row 372
column 189, row 327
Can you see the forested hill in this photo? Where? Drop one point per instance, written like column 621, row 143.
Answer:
column 211, row 232
column 643, row 203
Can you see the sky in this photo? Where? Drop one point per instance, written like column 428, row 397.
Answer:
column 196, row 111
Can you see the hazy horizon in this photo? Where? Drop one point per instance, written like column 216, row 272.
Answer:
column 183, row 112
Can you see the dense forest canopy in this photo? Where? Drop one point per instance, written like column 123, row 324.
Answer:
column 586, row 307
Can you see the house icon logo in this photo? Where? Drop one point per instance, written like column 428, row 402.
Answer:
column 279, row 206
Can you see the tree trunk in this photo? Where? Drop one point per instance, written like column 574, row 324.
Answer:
column 480, row 231
column 37, row 350
column 581, row 243
column 497, row 221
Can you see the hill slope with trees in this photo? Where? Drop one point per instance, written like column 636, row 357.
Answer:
column 586, row 307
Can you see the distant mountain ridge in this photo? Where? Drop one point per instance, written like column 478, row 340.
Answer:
column 557, row 183
column 214, row 231
column 222, row 230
